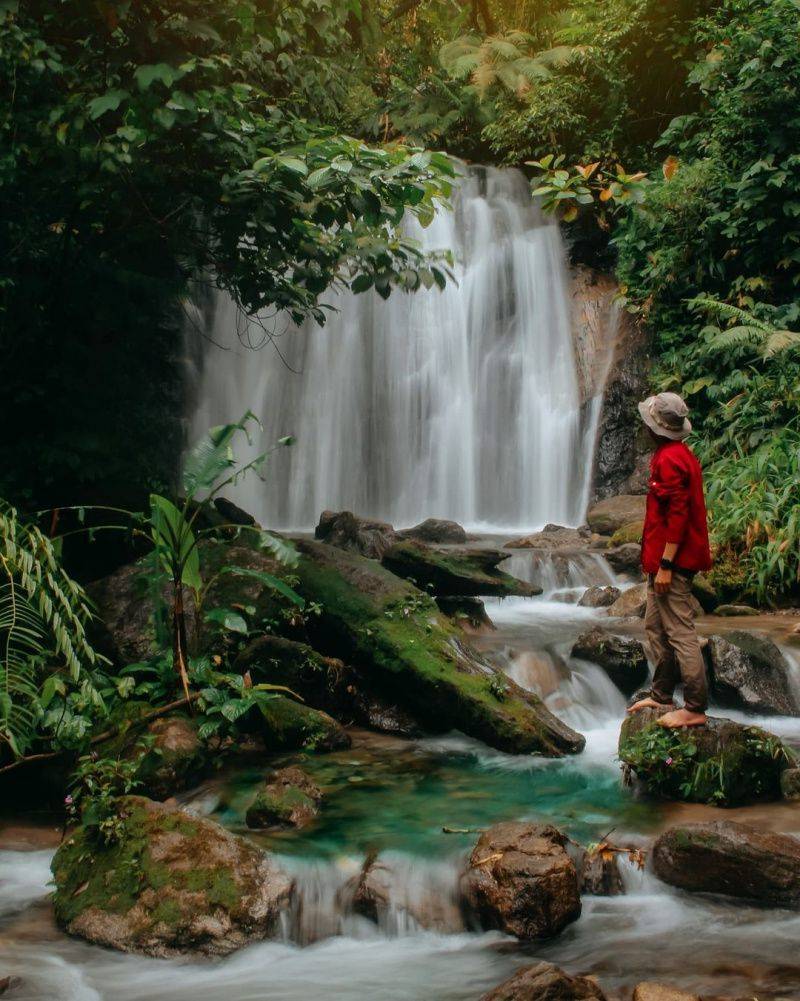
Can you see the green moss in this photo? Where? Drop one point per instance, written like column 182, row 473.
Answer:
column 630, row 532
column 278, row 808
column 290, row 725
column 453, row 571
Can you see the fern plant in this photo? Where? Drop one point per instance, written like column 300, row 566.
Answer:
column 745, row 329
column 507, row 60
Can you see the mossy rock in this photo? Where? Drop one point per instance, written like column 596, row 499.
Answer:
column 722, row 763
column 289, row 799
column 171, row 884
column 412, row 655
column 629, row 532
column 287, row 725
column 460, row 572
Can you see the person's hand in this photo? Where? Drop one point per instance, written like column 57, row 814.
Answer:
column 663, row 581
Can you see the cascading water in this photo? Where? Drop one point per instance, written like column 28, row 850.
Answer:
column 463, row 404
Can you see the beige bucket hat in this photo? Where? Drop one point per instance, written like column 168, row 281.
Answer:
column 665, row 414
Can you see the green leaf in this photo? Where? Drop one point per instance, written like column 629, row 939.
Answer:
column 213, row 455
column 175, row 542
column 228, row 619
column 145, row 76
column 109, row 101
column 269, row 580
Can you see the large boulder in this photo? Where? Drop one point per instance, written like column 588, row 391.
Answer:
column 287, row 725
column 554, row 537
column 521, row 879
column 626, row 559
column 359, row 535
column 169, row 884
column 630, row 532
column 631, row 604
column 436, row 530
column 723, row 762
column 621, row 657
column 395, row 635
column 455, row 571
column 599, row 596
column 380, row 889
column 734, row 859
column 609, row 515
column 750, row 672
column 289, row 798
column 545, row 982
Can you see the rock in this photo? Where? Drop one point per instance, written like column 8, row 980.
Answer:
column 171, row 884
column 611, row 514
column 621, row 657
column 290, row 798
column 359, row 535
column 457, row 572
column 469, row 613
column 417, row 659
column 729, row 611
column 545, row 982
column 599, row 596
column 625, row 559
column 790, row 784
column 750, row 672
column 379, row 888
column 723, row 762
column 176, row 760
column 126, row 612
column 436, row 530
column 553, row 537
column 232, row 513
column 520, row 879
column 631, row 531
column 705, row 592
column 650, row 991
column 733, row 859
column 9, row 984
column 600, row 875
column 631, row 603
column 287, row 725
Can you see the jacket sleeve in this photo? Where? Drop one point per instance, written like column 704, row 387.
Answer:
column 672, row 490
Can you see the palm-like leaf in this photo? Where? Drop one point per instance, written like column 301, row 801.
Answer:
column 746, row 329
column 213, row 455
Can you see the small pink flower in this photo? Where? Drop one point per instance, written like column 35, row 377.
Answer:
column 668, row 761
column 68, row 800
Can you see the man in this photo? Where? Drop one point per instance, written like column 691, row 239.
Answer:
column 674, row 548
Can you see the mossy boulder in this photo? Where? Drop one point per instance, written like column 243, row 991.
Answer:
column 287, row 725
column 609, row 515
column 290, row 798
column 359, row 535
column 171, row 884
column 631, row 531
column 436, row 530
column 723, row 763
column 459, row 571
column 396, row 637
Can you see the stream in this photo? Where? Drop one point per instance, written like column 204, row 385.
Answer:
column 393, row 797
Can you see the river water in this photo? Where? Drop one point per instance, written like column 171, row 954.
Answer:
column 393, row 797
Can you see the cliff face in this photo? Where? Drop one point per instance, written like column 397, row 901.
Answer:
column 611, row 348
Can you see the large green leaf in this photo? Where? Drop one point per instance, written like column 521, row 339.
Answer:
column 175, row 542
column 213, row 455
column 269, row 580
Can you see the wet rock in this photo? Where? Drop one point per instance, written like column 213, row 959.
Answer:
column 599, row 596
column 520, row 879
column 729, row 611
column 632, row 603
column 171, row 884
column 454, row 571
column 469, row 613
column 651, row 991
column 723, row 762
column 437, row 530
column 705, row 592
column 732, row 859
column 553, row 537
column 545, row 982
column 750, row 672
column 621, row 657
column 609, row 515
column 290, row 798
column 625, row 559
column 125, row 612
column 9, row 984
column 790, row 784
column 232, row 513
column 379, row 889
column 287, row 725
column 417, row 659
column 600, row 875
column 629, row 532
column 359, row 535
column 176, row 759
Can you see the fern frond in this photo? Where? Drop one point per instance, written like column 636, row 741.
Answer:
column 780, row 340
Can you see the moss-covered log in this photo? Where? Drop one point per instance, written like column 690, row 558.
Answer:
column 396, row 637
column 457, row 571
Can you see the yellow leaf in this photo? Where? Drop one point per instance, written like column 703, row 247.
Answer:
column 606, row 194
column 571, row 214
column 669, row 166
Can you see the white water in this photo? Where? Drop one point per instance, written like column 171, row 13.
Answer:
column 460, row 404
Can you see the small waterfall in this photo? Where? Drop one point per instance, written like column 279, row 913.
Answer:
column 463, row 404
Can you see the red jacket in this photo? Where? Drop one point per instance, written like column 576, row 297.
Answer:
column 676, row 510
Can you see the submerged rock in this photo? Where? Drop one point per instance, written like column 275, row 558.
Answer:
column 631, row 604
column 599, row 596
column 436, row 530
column 609, row 515
column 732, row 859
column 455, row 571
column 651, row 991
column 545, row 982
column 723, row 762
column 290, row 798
column 621, row 657
column 359, row 535
column 413, row 656
column 171, row 884
column 731, row 611
column 521, row 879
column 750, row 672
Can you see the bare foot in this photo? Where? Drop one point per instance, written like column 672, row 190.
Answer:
column 649, row 703
column 682, row 717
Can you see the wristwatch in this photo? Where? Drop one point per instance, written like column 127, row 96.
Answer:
column 667, row 564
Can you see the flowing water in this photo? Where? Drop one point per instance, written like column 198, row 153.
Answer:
column 392, row 798
column 460, row 404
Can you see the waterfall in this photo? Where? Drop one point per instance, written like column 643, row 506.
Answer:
column 463, row 404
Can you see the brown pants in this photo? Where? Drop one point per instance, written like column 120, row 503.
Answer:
column 674, row 646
